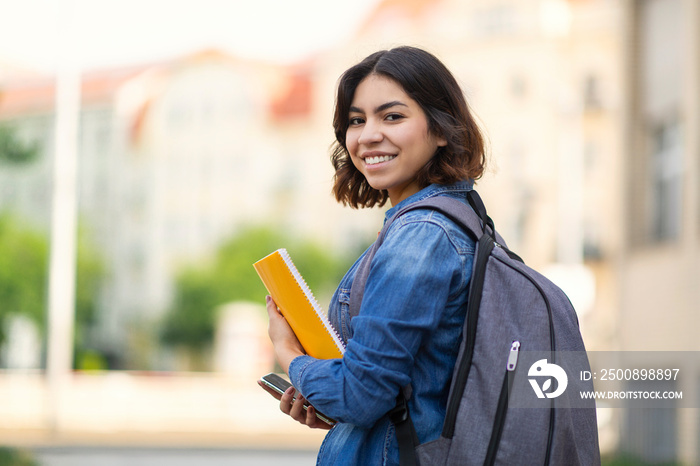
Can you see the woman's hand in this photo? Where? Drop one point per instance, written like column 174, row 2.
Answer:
column 285, row 342
column 295, row 409
column 287, row 347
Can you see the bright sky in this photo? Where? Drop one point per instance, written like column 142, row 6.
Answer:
column 112, row 32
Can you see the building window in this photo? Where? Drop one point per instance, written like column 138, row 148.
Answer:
column 518, row 86
column 657, row 151
column 495, row 20
column 591, row 93
column 666, row 181
column 179, row 116
column 651, row 434
column 592, row 247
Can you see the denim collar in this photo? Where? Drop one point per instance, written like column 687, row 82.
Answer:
column 430, row 191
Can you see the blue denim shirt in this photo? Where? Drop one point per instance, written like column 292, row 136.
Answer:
column 408, row 331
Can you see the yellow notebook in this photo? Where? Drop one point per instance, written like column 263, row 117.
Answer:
column 299, row 306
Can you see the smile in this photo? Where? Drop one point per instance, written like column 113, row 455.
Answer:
column 379, row 159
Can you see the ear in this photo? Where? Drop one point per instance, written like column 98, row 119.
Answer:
column 441, row 141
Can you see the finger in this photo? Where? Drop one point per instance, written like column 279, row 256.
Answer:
column 297, row 412
column 286, row 400
column 315, row 422
column 276, row 320
column 271, row 306
column 311, row 418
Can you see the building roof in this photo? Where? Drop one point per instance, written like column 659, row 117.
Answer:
column 36, row 94
column 295, row 99
column 413, row 10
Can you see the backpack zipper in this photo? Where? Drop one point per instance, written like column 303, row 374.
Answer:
column 502, row 406
column 513, row 356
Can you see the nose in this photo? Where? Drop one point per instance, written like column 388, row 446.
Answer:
column 371, row 133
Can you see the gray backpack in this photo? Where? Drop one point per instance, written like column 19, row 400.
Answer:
column 510, row 308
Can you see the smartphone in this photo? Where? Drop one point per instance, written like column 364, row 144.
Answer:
column 275, row 384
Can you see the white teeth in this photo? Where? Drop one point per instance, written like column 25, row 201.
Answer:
column 378, row 159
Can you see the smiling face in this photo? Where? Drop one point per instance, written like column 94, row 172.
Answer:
column 388, row 138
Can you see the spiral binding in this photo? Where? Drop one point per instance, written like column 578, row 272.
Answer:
column 312, row 299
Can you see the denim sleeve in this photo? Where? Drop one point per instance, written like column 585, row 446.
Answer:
column 407, row 290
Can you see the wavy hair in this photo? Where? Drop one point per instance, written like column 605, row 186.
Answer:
column 426, row 80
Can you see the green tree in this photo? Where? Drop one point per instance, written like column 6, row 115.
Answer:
column 24, row 277
column 13, row 149
column 16, row 457
column 191, row 321
column 90, row 273
column 23, row 272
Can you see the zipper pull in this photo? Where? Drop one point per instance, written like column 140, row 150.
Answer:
column 513, row 356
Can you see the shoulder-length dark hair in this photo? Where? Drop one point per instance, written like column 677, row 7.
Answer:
column 427, row 81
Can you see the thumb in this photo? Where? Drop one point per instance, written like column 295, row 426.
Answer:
column 271, row 306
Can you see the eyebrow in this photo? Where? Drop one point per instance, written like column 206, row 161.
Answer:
column 381, row 108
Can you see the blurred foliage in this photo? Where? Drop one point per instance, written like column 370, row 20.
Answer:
column 90, row 272
column 630, row 460
column 23, row 272
column 90, row 360
column 191, row 320
column 15, row 457
column 24, row 255
column 13, row 150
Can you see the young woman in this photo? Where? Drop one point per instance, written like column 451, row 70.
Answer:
column 403, row 133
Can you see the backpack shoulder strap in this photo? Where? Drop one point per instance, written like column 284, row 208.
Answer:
column 456, row 210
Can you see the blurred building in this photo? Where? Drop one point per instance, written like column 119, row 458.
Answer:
column 175, row 157
column 659, row 264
